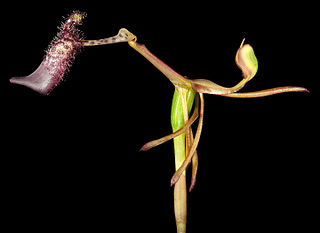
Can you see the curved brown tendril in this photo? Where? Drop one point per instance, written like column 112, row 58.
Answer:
column 164, row 139
column 267, row 92
column 189, row 157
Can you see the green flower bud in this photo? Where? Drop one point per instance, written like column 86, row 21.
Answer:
column 247, row 61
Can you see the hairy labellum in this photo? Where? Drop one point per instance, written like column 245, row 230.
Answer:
column 59, row 57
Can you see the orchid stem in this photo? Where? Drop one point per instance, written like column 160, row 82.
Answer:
column 182, row 102
column 181, row 105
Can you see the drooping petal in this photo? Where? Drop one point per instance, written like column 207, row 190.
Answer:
column 209, row 87
column 195, row 162
column 159, row 141
column 164, row 139
column 195, row 159
column 193, row 148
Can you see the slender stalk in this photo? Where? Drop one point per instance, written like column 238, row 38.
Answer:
column 123, row 36
column 192, row 148
column 180, row 188
column 181, row 105
column 173, row 76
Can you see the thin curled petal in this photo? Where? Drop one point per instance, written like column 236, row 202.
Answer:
column 162, row 140
column 195, row 162
column 193, row 148
column 189, row 142
column 245, row 60
column 209, row 87
column 267, row 92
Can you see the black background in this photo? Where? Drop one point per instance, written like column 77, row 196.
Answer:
column 70, row 160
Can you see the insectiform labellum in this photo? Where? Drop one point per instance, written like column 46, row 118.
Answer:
column 59, row 57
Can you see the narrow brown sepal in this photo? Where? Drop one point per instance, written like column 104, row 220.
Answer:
column 193, row 148
column 164, row 139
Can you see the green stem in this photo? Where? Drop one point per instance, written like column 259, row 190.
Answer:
column 177, row 121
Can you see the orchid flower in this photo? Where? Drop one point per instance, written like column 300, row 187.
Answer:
column 67, row 44
column 185, row 144
column 186, row 91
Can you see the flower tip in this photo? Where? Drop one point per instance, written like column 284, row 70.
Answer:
column 296, row 89
column 174, row 179
column 39, row 80
column 242, row 42
column 143, row 148
column 304, row 90
column 193, row 183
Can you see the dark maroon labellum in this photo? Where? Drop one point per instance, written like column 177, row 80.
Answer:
column 59, row 57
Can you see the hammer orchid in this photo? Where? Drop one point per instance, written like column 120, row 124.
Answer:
column 62, row 51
